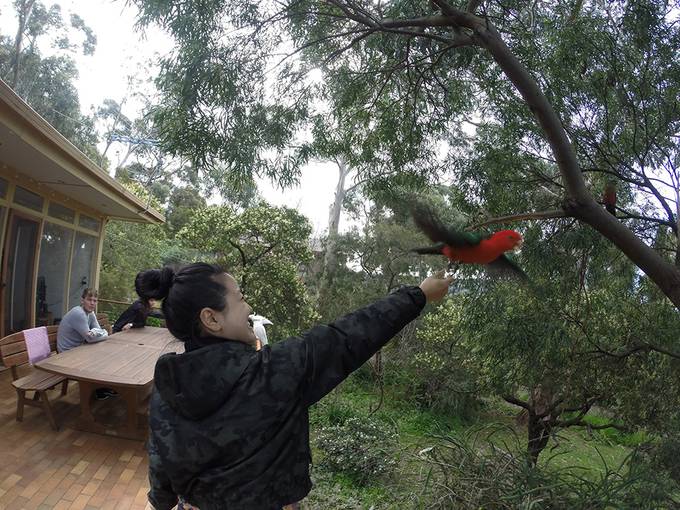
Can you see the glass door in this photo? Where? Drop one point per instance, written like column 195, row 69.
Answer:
column 18, row 272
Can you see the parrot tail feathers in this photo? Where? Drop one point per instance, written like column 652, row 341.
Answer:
column 430, row 250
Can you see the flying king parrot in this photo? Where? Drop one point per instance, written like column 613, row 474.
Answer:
column 469, row 247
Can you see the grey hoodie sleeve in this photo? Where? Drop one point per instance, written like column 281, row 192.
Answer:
column 92, row 323
column 334, row 351
column 160, row 494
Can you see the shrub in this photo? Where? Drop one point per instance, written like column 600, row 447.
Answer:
column 469, row 473
column 666, row 454
column 154, row 321
column 362, row 448
column 661, row 456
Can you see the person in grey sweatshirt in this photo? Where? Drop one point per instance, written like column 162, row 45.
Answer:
column 80, row 326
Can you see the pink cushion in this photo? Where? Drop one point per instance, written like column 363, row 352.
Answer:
column 37, row 344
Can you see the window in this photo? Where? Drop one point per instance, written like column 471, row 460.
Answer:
column 55, row 250
column 28, row 199
column 63, row 213
column 3, row 188
column 82, row 265
column 89, row 223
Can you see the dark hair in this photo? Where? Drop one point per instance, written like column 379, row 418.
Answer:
column 184, row 293
column 142, row 291
column 89, row 292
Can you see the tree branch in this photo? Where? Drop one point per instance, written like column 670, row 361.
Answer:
column 629, row 215
column 638, row 347
column 514, row 400
column 541, row 215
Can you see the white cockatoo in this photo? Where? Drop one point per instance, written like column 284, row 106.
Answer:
column 259, row 323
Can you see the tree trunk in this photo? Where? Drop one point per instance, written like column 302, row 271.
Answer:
column 677, row 230
column 24, row 8
column 330, row 254
column 538, row 433
column 539, row 424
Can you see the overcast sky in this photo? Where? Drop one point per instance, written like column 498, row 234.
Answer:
column 121, row 51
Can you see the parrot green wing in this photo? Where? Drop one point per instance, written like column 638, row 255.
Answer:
column 430, row 224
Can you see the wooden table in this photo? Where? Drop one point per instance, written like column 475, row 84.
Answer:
column 124, row 362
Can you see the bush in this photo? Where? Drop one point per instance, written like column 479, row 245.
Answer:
column 333, row 491
column 154, row 322
column 469, row 473
column 361, row 448
column 661, row 456
column 666, row 454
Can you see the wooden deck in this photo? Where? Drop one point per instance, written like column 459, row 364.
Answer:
column 43, row 469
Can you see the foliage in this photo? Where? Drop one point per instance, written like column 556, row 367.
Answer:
column 614, row 436
column 410, row 80
column 662, row 455
column 585, row 332
column 436, row 368
column 264, row 247
column 471, row 472
column 182, row 204
column 48, row 83
column 360, row 447
column 154, row 322
column 128, row 249
column 328, row 493
column 372, row 262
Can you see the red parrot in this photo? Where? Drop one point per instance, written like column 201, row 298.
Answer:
column 469, row 247
column 609, row 197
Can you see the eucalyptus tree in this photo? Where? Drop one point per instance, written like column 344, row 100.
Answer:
column 47, row 83
column 584, row 335
column 578, row 90
column 266, row 249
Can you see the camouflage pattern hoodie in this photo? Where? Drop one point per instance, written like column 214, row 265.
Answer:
column 229, row 426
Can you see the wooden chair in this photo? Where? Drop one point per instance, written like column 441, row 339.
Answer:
column 14, row 355
column 104, row 322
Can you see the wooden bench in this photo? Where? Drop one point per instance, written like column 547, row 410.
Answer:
column 14, row 355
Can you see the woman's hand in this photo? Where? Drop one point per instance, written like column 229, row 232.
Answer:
column 435, row 287
column 127, row 326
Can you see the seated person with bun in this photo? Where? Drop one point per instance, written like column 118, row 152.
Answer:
column 136, row 314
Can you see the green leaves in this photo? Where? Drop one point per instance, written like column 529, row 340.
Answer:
column 264, row 247
column 48, row 83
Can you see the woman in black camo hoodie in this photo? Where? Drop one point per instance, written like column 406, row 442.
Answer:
column 229, row 425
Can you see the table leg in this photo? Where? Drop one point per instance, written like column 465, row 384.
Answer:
column 86, row 390
column 130, row 429
column 130, row 395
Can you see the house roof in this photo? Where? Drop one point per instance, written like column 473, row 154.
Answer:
column 31, row 146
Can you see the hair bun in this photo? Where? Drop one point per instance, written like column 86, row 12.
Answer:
column 167, row 278
column 154, row 283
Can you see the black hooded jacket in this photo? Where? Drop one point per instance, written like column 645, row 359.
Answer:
column 230, row 425
column 136, row 314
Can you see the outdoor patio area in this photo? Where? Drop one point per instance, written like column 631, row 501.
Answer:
column 44, row 469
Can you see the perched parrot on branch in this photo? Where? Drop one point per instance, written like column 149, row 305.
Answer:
column 609, row 197
column 469, row 247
